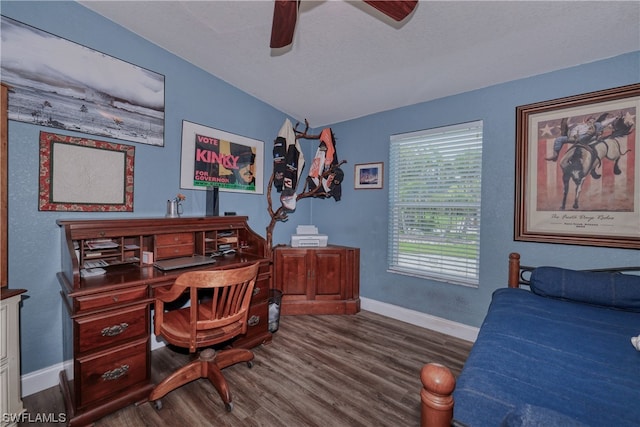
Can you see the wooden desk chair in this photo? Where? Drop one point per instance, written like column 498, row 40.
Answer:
column 219, row 317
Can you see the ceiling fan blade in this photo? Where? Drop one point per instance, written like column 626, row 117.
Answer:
column 285, row 15
column 395, row 9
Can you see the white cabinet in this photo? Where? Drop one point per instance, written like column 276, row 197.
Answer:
column 10, row 391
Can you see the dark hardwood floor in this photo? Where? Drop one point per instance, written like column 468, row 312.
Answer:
column 358, row 370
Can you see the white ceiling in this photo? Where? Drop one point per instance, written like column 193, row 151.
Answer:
column 348, row 60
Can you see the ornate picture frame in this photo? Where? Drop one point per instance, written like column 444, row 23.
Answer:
column 85, row 175
column 369, row 176
column 578, row 170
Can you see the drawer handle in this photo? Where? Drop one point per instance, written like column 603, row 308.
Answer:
column 256, row 291
column 253, row 320
column 112, row 331
column 116, row 373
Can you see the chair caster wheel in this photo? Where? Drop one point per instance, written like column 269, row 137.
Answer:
column 157, row 404
column 250, row 364
column 229, row 406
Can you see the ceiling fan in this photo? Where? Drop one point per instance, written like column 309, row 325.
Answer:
column 285, row 15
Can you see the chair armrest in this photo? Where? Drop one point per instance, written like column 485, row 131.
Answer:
column 168, row 294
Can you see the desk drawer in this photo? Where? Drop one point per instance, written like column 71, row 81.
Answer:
column 174, row 239
column 258, row 318
column 110, row 372
column 165, row 252
column 174, row 245
column 260, row 290
column 96, row 332
column 106, row 299
column 258, row 331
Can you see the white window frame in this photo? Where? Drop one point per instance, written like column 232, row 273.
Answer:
column 434, row 203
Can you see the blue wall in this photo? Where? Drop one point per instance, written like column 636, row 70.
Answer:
column 362, row 215
column 359, row 219
column 191, row 94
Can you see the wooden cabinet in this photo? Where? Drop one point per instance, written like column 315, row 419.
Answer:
column 318, row 280
column 107, row 319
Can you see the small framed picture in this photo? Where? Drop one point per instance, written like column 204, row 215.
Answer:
column 369, row 176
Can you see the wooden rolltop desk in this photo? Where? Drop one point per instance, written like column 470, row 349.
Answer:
column 107, row 316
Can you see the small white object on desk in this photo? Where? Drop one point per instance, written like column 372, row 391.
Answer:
column 92, row 272
column 95, row 264
column 147, row 257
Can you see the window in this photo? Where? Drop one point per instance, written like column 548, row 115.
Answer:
column 434, row 203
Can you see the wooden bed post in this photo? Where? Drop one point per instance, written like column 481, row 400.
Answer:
column 436, row 395
column 514, row 270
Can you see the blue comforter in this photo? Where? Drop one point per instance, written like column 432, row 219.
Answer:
column 568, row 361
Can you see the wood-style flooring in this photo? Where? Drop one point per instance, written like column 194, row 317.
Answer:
column 352, row 370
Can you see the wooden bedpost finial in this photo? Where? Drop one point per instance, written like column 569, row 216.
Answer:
column 514, row 270
column 437, row 401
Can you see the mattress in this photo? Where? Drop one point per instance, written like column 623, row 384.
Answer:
column 562, row 357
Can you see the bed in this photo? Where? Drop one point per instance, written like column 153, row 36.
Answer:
column 555, row 349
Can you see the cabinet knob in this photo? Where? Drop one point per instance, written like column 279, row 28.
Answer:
column 256, row 291
column 253, row 320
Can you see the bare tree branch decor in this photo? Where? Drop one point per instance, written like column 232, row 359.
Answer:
column 323, row 181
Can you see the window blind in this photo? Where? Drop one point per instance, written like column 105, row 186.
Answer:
column 434, row 203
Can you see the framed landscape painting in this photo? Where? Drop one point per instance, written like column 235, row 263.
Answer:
column 369, row 176
column 57, row 83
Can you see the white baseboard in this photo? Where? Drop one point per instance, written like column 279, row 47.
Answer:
column 48, row 377
column 438, row 324
column 42, row 379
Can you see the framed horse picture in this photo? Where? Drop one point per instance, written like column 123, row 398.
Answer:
column 578, row 170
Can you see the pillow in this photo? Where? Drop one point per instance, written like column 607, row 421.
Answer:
column 536, row 416
column 606, row 289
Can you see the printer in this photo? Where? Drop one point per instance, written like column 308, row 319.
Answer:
column 307, row 237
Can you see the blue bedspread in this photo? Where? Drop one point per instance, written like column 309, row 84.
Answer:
column 571, row 358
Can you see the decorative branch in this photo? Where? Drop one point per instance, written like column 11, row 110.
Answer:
column 281, row 213
column 315, row 192
column 304, row 135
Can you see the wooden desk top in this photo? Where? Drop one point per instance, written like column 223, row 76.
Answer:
column 128, row 275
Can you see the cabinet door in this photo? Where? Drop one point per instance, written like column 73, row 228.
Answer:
column 318, row 280
column 292, row 272
column 327, row 274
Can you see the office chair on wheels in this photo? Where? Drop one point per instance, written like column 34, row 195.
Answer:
column 212, row 319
